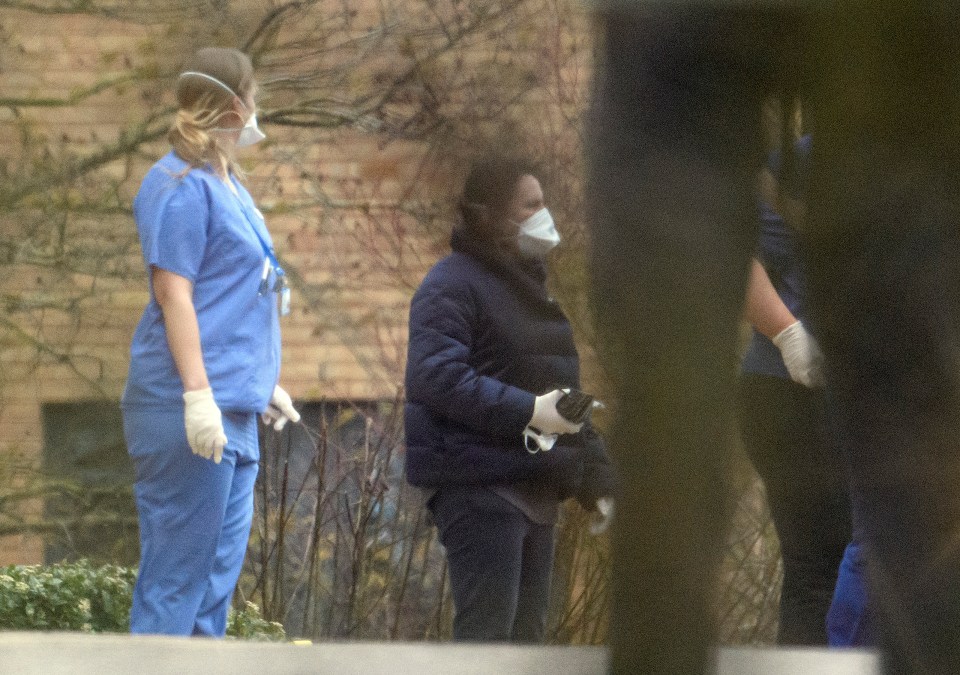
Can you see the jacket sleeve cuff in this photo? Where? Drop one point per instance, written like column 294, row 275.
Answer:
column 519, row 411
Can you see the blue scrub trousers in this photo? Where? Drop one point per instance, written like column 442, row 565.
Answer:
column 849, row 623
column 195, row 519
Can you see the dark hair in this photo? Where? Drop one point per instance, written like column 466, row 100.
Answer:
column 487, row 192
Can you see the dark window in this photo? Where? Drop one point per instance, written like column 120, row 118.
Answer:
column 87, row 480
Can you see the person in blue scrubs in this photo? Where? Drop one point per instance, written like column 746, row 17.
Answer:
column 783, row 407
column 205, row 357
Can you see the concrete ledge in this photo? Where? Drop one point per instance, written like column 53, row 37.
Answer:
column 806, row 661
column 80, row 654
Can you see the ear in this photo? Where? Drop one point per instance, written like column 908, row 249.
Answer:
column 240, row 108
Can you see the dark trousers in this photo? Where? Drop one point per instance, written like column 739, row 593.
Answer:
column 499, row 563
column 785, row 435
column 672, row 158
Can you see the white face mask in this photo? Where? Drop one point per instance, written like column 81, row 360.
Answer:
column 250, row 133
column 537, row 234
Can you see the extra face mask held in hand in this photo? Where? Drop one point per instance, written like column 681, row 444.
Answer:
column 575, row 406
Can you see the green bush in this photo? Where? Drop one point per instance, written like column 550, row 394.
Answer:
column 72, row 596
column 80, row 597
column 249, row 624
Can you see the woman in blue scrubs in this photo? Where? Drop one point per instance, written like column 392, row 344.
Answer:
column 205, row 357
column 784, row 410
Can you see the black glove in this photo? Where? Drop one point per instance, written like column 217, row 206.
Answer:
column 599, row 475
column 563, row 471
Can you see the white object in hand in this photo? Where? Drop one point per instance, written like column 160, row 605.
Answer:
column 281, row 410
column 603, row 516
column 547, row 420
column 546, row 423
column 204, row 424
column 536, row 442
column 801, row 354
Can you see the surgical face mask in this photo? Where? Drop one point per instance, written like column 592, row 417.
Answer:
column 537, row 234
column 250, row 133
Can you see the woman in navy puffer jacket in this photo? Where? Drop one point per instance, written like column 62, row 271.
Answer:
column 489, row 352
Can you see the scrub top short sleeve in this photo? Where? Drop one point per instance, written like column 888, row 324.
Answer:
column 192, row 224
column 178, row 238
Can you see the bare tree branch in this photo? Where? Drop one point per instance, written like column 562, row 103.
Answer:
column 75, row 97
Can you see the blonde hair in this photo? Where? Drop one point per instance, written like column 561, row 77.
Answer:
column 205, row 93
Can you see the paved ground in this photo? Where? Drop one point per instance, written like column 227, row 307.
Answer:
column 77, row 654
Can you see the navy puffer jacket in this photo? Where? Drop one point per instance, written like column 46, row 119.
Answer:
column 485, row 339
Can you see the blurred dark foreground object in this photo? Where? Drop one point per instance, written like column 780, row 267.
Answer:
column 674, row 143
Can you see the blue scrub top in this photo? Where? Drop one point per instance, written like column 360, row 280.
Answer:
column 192, row 224
column 779, row 252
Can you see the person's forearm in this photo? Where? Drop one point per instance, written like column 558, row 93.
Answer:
column 764, row 309
column 183, row 337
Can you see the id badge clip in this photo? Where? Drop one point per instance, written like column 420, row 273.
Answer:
column 283, row 288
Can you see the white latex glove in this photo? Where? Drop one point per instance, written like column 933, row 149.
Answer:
column 547, row 420
column 801, row 354
column 204, row 424
column 603, row 516
column 280, row 411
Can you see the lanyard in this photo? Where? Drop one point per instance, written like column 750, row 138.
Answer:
column 280, row 286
